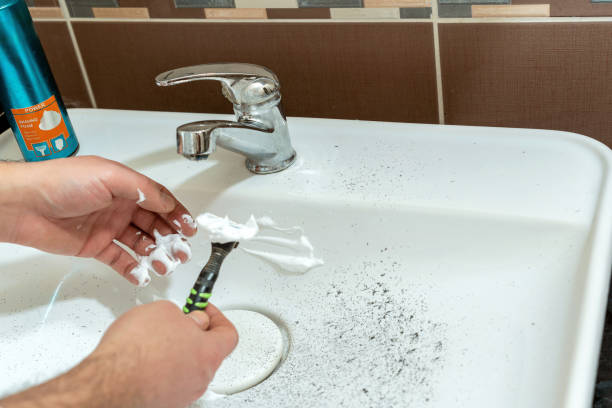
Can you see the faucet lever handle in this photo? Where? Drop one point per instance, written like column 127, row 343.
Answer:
column 247, row 84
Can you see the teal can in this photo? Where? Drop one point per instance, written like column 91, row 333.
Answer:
column 28, row 94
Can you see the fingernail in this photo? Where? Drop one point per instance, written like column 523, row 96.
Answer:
column 200, row 318
column 183, row 254
column 188, row 219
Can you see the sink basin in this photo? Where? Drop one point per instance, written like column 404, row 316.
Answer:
column 464, row 266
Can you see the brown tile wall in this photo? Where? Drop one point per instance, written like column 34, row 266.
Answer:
column 350, row 70
column 62, row 58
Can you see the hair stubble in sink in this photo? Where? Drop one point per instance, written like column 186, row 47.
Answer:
column 369, row 342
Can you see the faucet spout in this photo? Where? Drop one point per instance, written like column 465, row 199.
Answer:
column 197, row 140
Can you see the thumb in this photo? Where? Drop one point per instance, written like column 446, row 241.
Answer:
column 201, row 319
column 223, row 333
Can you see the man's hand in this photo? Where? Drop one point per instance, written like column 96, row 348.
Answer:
column 152, row 356
column 78, row 206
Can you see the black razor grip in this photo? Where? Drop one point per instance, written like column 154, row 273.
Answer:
column 202, row 289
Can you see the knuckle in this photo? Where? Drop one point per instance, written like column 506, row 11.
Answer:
column 115, row 256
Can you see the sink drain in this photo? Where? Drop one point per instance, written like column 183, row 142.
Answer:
column 259, row 351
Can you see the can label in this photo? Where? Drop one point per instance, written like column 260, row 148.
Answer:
column 42, row 128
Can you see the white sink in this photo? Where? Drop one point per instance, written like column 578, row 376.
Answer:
column 465, row 266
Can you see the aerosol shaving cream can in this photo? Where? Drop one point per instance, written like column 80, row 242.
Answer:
column 28, row 93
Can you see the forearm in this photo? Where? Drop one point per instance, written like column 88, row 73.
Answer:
column 94, row 384
column 14, row 191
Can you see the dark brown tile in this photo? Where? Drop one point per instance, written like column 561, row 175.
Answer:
column 311, row 12
column 333, row 70
column 62, row 59
column 546, row 75
column 579, row 8
column 573, row 8
column 46, row 3
column 164, row 9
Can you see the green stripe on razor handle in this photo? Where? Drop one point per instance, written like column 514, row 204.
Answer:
column 202, row 289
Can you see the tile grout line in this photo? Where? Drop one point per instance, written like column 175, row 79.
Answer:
column 248, row 20
column 497, row 20
column 436, row 44
column 450, row 20
column 77, row 51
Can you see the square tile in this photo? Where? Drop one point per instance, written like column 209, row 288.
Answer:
column 529, row 75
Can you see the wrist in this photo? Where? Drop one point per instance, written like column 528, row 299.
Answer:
column 90, row 384
column 14, row 187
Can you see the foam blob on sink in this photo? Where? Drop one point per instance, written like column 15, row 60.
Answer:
column 259, row 350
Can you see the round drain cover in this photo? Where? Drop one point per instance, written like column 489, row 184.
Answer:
column 259, row 350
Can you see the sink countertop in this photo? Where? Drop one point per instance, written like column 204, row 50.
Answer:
column 497, row 238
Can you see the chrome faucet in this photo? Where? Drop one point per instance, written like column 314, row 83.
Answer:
column 260, row 131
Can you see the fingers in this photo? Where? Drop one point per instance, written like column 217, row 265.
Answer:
column 122, row 262
column 181, row 221
column 224, row 336
column 150, row 222
column 127, row 183
column 136, row 239
column 141, row 243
